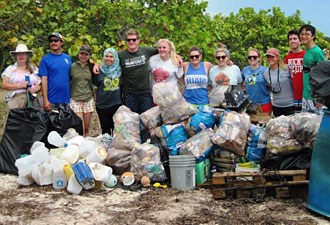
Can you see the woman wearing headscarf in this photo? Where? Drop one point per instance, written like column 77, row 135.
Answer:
column 20, row 79
column 108, row 95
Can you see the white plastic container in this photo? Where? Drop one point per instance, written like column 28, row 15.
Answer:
column 98, row 155
column 73, row 186
column 39, row 152
column 25, row 180
column 77, row 140
column 57, row 152
column 54, row 138
column 71, row 153
column 100, row 171
column 59, row 179
column 24, row 165
column 87, row 146
column 46, row 174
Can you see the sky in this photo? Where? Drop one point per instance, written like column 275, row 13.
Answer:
column 315, row 11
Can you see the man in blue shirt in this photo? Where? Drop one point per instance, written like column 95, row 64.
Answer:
column 55, row 74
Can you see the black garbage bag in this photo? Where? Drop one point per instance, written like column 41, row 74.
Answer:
column 320, row 82
column 24, row 126
column 62, row 118
column 297, row 161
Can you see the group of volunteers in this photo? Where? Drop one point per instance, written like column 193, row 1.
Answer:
column 127, row 77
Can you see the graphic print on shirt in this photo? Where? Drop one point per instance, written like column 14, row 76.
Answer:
column 159, row 75
column 295, row 66
column 136, row 61
column 252, row 80
column 196, row 81
column 110, row 84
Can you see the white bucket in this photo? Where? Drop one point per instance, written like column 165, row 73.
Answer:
column 101, row 172
column 182, row 169
column 98, row 155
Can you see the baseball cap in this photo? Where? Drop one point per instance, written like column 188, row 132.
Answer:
column 85, row 48
column 55, row 34
column 273, row 52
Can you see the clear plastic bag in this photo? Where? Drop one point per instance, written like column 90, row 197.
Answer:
column 232, row 132
column 145, row 161
column 173, row 107
column 151, row 118
column 126, row 134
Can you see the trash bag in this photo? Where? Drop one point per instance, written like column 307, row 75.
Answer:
column 199, row 145
column 232, row 132
column 320, row 80
column 126, row 134
column 62, row 118
column 173, row 107
column 119, row 160
column 280, row 139
column 198, row 122
column 296, row 161
column 145, row 161
column 151, row 118
column 24, row 126
column 257, row 143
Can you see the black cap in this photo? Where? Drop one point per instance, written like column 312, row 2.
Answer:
column 85, row 48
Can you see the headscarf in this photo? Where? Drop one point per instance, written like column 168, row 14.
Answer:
column 114, row 69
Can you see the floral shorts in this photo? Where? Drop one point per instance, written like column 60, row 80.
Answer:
column 82, row 106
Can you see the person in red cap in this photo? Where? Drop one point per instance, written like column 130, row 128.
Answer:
column 55, row 74
column 279, row 82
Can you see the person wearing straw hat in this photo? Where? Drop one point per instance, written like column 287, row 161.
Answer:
column 21, row 79
column 54, row 71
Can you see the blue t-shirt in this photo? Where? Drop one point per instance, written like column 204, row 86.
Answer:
column 196, row 81
column 57, row 69
column 256, row 87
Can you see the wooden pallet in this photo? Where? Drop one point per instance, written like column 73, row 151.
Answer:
column 252, row 184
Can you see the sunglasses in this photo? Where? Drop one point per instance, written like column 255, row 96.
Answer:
column 54, row 40
column 194, row 56
column 252, row 57
column 131, row 39
column 270, row 56
column 221, row 57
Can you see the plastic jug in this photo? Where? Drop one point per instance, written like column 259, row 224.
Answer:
column 71, row 153
column 25, row 180
column 88, row 145
column 55, row 139
column 202, row 171
column 73, row 186
column 100, row 171
column 24, row 165
column 46, row 174
column 57, row 152
column 78, row 140
column 39, row 152
column 59, row 179
column 98, row 155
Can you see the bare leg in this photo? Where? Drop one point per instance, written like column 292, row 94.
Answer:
column 87, row 122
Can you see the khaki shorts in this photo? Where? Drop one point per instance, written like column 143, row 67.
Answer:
column 82, row 106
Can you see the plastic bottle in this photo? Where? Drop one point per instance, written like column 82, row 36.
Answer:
column 59, row 179
column 55, row 139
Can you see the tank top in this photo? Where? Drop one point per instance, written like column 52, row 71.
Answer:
column 196, row 81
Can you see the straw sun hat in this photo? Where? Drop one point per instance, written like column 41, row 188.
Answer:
column 21, row 48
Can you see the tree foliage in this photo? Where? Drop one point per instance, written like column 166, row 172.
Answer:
column 102, row 23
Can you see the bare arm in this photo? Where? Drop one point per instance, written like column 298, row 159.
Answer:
column 44, row 89
column 13, row 86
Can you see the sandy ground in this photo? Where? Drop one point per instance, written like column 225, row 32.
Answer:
column 44, row 205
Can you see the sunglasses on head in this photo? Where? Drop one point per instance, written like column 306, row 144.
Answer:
column 252, row 57
column 54, row 40
column 221, row 57
column 131, row 39
column 194, row 56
